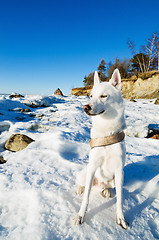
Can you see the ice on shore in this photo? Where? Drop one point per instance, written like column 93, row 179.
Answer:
column 37, row 184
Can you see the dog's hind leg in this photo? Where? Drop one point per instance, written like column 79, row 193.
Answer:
column 119, row 183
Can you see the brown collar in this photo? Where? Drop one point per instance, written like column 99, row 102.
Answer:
column 105, row 141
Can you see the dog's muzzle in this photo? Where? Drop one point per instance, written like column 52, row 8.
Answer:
column 87, row 108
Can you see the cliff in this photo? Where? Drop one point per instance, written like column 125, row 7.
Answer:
column 83, row 91
column 145, row 86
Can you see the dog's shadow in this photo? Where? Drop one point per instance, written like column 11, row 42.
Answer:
column 108, row 204
column 143, row 172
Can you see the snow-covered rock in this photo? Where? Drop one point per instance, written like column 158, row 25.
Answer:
column 40, row 101
column 4, row 126
column 137, row 131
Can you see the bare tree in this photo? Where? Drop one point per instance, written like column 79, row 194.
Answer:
column 158, row 54
column 131, row 45
column 157, row 48
column 151, row 49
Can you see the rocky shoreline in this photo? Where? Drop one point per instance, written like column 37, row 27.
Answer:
column 145, row 86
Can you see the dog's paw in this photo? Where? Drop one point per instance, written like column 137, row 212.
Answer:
column 78, row 220
column 105, row 193
column 80, row 190
column 121, row 221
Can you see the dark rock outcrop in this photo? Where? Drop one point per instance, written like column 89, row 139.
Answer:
column 16, row 95
column 58, row 92
column 2, row 160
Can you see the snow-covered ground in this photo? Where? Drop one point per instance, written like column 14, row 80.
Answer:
column 37, row 184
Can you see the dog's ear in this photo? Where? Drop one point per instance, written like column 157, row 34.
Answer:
column 116, row 79
column 96, row 78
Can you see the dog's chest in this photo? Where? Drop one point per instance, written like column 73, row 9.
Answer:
column 111, row 158
column 106, row 170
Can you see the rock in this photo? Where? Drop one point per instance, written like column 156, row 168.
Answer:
column 18, row 142
column 40, row 127
column 153, row 131
column 58, row 92
column 16, row 95
column 2, row 160
column 25, row 110
column 15, row 109
column 132, row 100
column 154, row 134
column 36, row 104
column 157, row 101
column 32, row 115
column 39, row 115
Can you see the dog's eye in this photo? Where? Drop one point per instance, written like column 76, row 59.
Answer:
column 91, row 96
column 103, row 96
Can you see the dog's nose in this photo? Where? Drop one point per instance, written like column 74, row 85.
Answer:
column 86, row 108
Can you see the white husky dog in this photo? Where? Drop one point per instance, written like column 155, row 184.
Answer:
column 107, row 156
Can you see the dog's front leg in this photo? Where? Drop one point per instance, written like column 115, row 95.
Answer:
column 119, row 184
column 91, row 168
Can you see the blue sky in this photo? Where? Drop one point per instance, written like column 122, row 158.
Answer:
column 46, row 44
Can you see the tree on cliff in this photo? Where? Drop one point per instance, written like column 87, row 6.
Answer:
column 146, row 60
column 88, row 80
column 131, row 45
column 138, row 63
column 151, row 49
column 122, row 65
column 102, row 70
column 157, row 47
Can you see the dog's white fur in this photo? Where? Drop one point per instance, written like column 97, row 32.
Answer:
column 105, row 163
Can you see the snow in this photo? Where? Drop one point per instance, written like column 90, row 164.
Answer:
column 37, row 184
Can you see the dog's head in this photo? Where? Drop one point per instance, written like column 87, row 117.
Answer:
column 105, row 97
